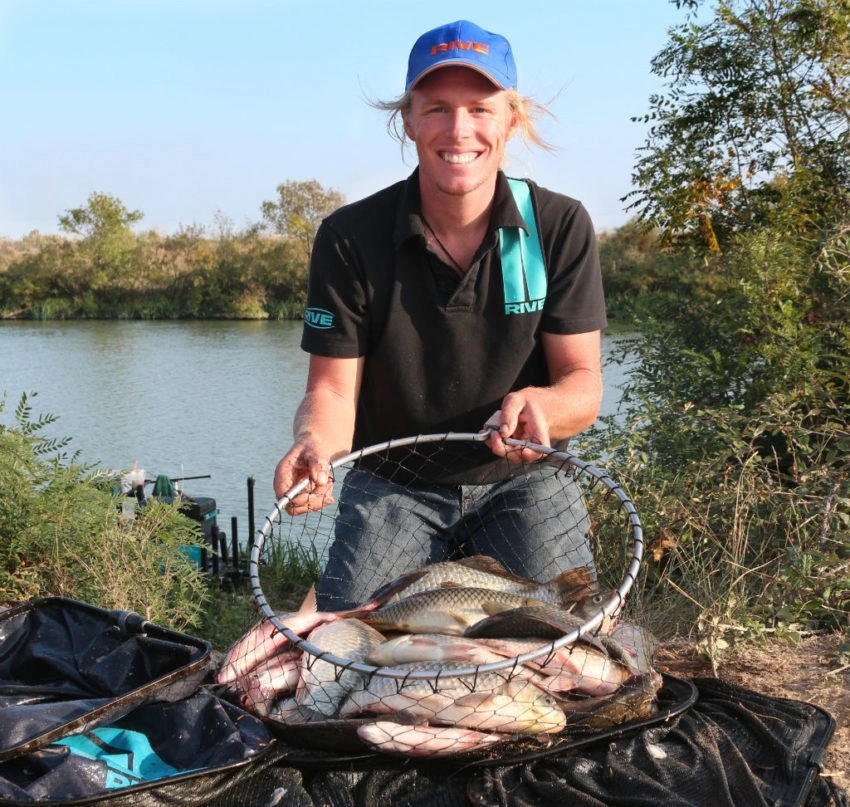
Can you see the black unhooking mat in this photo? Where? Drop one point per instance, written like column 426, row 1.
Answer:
column 74, row 678
column 733, row 747
column 103, row 707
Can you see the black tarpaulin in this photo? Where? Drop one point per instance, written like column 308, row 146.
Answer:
column 66, row 664
column 72, row 674
column 203, row 740
column 71, row 669
column 732, row 748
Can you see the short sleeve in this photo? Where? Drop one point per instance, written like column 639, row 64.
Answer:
column 336, row 321
column 575, row 299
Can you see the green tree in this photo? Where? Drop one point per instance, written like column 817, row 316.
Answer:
column 734, row 432
column 756, row 95
column 37, row 274
column 299, row 210
column 104, row 225
column 102, row 216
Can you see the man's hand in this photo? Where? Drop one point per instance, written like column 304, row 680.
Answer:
column 323, row 429
column 522, row 419
column 568, row 406
column 301, row 461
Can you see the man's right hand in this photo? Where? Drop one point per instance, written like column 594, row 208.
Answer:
column 323, row 429
column 301, row 462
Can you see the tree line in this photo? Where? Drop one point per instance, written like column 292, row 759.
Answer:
column 100, row 268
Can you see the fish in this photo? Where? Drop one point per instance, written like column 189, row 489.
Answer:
column 449, row 610
column 578, row 667
column 264, row 683
column 600, row 661
column 413, row 647
column 450, row 620
column 482, row 571
column 588, row 607
column 425, row 740
column 487, row 701
column 639, row 646
column 533, row 620
column 634, row 700
column 264, row 640
column 323, row 684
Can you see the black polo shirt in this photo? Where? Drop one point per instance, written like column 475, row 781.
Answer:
column 441, row 353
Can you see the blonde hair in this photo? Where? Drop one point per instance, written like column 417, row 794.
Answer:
column 526, row 109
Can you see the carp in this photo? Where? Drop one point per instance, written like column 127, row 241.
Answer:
column 486, row 701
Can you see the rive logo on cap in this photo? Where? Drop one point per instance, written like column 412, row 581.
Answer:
column 463, row 44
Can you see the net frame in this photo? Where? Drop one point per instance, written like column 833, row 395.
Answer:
column 612, row 606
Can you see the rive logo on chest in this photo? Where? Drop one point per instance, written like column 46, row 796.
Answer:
column 319, row 318
column 523, row 266
column 524, row 307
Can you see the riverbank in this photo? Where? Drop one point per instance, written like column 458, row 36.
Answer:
column 814, row 670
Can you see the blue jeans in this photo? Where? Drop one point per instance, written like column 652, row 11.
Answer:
column 536, row 525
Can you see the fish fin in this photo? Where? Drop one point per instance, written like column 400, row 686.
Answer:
column 576, row 576
column 309, row 605
column 404, row 717
column 494, row 607
column 391, row 588
column 477, row 700
column 484, row 563
column 459, row 622
column 574, row 584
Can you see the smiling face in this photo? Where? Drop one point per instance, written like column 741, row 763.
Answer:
column 460, row 123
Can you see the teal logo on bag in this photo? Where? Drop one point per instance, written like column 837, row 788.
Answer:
column 319, row 318
column 523, row 268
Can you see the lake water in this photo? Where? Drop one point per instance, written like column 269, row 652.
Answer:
column 180, row 398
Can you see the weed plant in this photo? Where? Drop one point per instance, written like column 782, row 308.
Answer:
column 66, row 531
column 733, row 441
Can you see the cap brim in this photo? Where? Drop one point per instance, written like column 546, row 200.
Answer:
column 459, row 63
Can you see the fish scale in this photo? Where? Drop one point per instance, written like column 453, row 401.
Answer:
column 323, row 684
column 491, row 701
column 480, row 571
column 446, row 610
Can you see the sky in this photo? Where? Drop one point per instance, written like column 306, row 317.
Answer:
column 194, row 111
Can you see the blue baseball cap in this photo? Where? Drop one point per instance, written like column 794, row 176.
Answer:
column 463, row 44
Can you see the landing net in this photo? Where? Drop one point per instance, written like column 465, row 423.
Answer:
column 527, row 658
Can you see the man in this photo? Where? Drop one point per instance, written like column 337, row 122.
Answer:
column 420, row 334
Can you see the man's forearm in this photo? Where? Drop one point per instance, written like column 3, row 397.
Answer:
column 325, row 419
column 575, row 403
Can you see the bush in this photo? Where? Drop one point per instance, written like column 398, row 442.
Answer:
column 65, row 531
column 734, row 443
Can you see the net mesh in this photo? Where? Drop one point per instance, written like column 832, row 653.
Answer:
column 453, row 640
